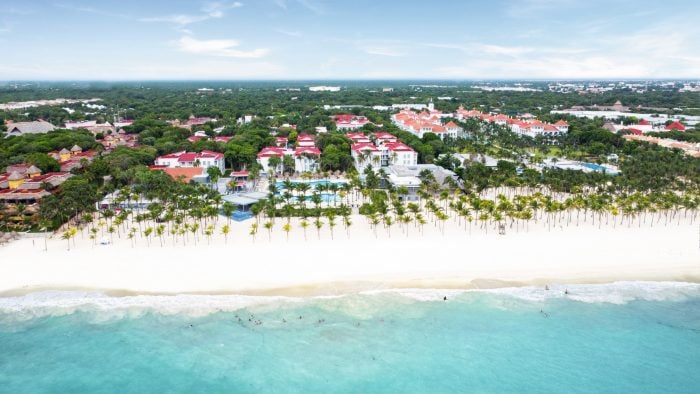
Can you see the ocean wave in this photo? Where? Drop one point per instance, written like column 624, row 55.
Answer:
column 619, row 293
column 57, row 303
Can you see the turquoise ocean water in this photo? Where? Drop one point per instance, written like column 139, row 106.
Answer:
column 617, row 338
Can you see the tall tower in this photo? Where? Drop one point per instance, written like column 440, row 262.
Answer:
column 431, row 106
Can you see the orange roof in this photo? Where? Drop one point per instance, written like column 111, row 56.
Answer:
column 187, row 173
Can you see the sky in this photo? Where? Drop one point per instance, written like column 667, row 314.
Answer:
column 353, row 39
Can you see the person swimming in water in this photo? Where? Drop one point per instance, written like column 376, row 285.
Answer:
column 566, row 291
column 444, row 298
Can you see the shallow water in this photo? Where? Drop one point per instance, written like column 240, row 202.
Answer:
column 624, row 337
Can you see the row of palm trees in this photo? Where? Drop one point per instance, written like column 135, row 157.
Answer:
column 193, row 215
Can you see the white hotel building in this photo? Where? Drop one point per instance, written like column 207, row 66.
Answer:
column 386, row 150
column 204, row 159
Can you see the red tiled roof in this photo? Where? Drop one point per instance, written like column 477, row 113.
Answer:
column 398, row 147
column 269, row 151
column 356, row 136
column 384, row 136
column 676, row 126
column 187, row 173
column 364, row 146
column 308, row 150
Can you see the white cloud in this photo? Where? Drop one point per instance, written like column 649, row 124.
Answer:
column 382, row 51
column 92, row 10
column 310, row 5
column 290, row 33
column 181, row 19
column 223, row 48
column 503, row 50
column 212, row 10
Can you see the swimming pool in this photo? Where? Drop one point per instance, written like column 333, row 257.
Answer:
column 325, row 197
column 600, row 168
column 313, row 184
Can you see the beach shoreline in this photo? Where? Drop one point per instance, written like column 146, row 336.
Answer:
column 359, row 259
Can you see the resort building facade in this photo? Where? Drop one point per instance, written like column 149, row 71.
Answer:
column 204, row 159
column 386, row 150
column 306, row 158
column 350, row 122
column 420, row 123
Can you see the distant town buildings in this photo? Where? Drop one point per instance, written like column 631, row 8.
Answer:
column 191, row 121
column 324, row 88
column 655, row 119
column 692, row 149
column 120, row 138
column 644, row 126
column 40, row 103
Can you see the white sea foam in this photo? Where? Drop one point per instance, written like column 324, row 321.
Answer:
column 612, row 293
column 56, row 303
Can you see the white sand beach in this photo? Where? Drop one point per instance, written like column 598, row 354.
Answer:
column 459, row 258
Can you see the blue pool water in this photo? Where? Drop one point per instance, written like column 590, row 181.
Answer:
column 325, row 197
column 599, row 168
column 619, row 338
column 280, row 185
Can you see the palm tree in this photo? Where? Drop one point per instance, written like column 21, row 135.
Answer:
column 319, row 224
column 287, row 227
column 132, row 233
column 208, row 232
column 67, row 236
column 160, row 229
column 228, row 209
column 274, row 162
column 331, row 220
column 225, row 230
column 253, row 230
column 304, row 225
column 147, row 233
column 387, row 223
column 268, row 226
column 347, row 223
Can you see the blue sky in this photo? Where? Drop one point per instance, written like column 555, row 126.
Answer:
column 358, row 39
